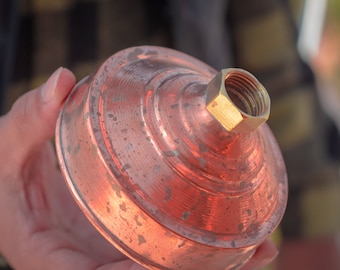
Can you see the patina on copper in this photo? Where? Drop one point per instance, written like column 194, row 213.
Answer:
column 153, row 164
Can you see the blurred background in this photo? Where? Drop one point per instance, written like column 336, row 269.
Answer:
column 291, row 46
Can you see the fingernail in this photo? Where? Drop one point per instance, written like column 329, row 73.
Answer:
column 48, row 89
column 271, row 258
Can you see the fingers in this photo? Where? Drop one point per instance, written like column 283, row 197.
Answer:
column 32, row 119
column 122, row 265
column 264, row 254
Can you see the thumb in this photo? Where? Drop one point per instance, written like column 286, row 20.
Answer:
column 32, row 119
column 264, row 254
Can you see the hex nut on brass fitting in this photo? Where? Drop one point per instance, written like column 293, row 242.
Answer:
column 237, row 100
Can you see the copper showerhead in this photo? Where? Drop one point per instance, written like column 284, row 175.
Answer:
column 171, row 161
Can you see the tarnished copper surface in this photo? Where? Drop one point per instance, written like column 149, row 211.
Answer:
column 157, row 174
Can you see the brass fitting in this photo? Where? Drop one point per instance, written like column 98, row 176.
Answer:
column 237, row 100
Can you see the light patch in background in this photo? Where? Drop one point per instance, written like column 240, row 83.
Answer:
column 310, row 33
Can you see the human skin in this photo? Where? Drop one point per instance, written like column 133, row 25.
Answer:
column 41, row 227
